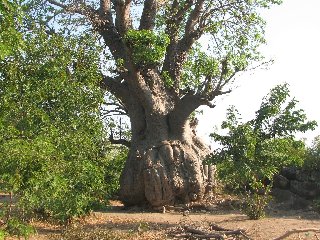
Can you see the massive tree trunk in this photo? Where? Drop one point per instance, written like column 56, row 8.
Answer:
column 164, row 169
column 164, row 165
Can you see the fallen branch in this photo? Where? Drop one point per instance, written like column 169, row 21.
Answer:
column 215, row 227
column 288, row 233
column 198, row 236
column 220, row 233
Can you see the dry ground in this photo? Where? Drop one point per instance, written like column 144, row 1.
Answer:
column 140, row 224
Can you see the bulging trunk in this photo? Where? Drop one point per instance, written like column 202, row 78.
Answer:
column 164, row 168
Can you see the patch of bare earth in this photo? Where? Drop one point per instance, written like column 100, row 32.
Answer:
column 178, row 223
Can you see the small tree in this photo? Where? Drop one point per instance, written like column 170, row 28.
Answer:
column 313, row 155
column 255, row 150
column 51, row 135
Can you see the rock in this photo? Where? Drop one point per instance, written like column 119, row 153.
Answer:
column 280, row 181
column 289, row 173
column 315, row 176
column 308, row 190
column 281, row 195
column 300, row 203
column 285, row 200
column 302, row 176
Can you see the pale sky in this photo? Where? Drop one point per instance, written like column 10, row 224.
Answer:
column 293, row 41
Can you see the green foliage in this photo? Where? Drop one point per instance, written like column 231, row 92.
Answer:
column 114, row 164
column 255, row 204
column 10, row 18
column 17, row 228
column 148, row 48
column 167, row 79
column 312, row 161
column 199, row 64
column 2, row 234
column 254, row 151
column 51, row 135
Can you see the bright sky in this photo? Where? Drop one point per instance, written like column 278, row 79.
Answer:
column 293, row 36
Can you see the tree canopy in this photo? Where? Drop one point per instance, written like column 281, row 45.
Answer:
column 161, row 38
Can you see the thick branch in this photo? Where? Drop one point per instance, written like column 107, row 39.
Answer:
column 116, row 87
column 123, row 18
column 105, row 9
column 177, row 50
column 149, row 14
column 194, row 17
column 183, row 109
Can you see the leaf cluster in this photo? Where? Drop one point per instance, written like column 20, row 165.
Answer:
column 148, row 48
column 10, row 19
column 254, row 151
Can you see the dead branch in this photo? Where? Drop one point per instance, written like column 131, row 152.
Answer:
column 219, row 233
column 293, row 231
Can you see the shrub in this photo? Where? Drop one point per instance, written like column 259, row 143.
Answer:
column 252, row 152
column 312, row 161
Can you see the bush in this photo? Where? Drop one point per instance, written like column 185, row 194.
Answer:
column 255, row 201
column 312, row 161
column 252, row 152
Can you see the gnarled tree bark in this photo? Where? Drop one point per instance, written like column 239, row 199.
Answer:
column 164, row 165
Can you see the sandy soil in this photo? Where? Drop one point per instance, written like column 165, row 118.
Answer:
column 156, row 225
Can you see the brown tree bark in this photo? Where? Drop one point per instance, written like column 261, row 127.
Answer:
column 164, row 169
column 164, row 165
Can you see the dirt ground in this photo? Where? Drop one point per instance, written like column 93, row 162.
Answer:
column 141, row 224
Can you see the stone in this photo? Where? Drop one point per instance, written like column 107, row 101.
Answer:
column 280, row 181
column 281, row 195
column 285, row 200
column 289, row 173
column 308, row 190
column 315, row 176
column 302, row 176
column 300, row 203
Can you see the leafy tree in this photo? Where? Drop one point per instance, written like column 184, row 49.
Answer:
column 161, row 76
column 255, row 150
column 52, row 141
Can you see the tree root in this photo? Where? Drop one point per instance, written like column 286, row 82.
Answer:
column 218, row 233
column 293, row 231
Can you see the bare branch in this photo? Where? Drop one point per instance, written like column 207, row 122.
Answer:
column 81, row 8
column 123, row 142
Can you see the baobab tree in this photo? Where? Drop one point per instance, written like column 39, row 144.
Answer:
column 162, row 75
